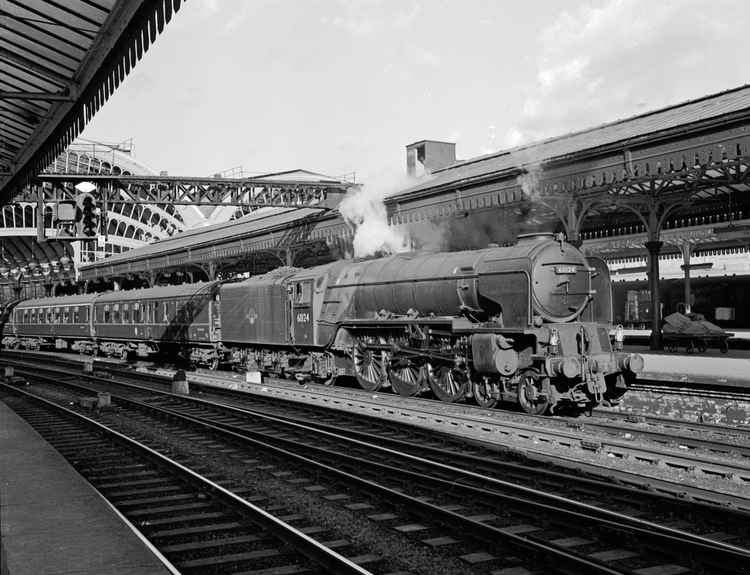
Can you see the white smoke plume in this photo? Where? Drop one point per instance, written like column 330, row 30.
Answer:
column 530, row 182
column 365, row 211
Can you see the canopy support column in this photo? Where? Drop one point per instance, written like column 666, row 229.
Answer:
column 687, row 249
column 654, row 247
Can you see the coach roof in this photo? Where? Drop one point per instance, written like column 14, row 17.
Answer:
column 159, row 292
column 58, row 301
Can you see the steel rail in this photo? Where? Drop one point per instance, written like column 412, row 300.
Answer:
column 332, row 561
column 616, row 448
column 697, row 494
column 660, row 535
column 591, row 423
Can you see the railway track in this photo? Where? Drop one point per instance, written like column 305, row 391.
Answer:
column 197, row 525
column 553, row 434
column 488, row 510
column 714, row 438
column 617, row 439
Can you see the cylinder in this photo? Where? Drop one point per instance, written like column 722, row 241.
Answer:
column 493, row 354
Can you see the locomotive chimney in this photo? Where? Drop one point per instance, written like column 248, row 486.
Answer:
column 429, row 155
column 535, row 237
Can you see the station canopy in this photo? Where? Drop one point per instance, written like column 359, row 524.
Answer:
column 678, row 122
column 61, row 61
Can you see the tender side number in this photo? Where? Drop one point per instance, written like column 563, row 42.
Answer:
column 303, row 317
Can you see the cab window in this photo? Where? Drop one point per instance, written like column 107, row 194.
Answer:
column 302, row 292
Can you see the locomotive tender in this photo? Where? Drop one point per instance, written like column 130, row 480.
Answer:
column 527, row 323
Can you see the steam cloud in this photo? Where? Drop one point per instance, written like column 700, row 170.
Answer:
column 364, row 210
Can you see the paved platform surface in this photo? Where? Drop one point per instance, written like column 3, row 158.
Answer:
column 52, row 522
column 710, row 367
column 739, row 334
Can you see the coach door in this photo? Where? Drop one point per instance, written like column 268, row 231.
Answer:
column 302, row 321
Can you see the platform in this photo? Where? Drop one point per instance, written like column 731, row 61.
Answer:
column 739, row 334
column 710, row 367
column 52, row 522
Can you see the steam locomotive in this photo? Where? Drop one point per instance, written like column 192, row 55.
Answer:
column 527, row 324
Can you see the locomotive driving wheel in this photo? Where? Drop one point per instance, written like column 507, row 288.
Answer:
column 369, row 365
column 448, row 382
column 486, row 391
column 406, row 378
column 533, row 392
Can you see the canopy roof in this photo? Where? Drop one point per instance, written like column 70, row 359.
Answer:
column 667, row 122
column 59, row 62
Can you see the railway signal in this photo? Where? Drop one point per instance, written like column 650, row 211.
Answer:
column 89, row 225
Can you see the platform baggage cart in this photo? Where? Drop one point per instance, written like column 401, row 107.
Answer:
column 694, row 333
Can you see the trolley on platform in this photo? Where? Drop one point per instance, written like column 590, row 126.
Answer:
column 694, row 333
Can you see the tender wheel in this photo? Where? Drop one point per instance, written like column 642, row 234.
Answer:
column 448, row 383
column 213, row 365
column 486, row 392
column 533, row 393
column 369, row 367
column 124, row 353
column 406, row 379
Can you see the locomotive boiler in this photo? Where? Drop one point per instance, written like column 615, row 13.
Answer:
column 527, row 324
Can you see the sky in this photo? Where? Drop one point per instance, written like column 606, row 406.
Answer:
column 340, row 86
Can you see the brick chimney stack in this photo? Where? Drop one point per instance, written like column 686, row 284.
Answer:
column 431, row 154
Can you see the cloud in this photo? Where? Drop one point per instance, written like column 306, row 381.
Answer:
column 368, row 18
column 617, row 58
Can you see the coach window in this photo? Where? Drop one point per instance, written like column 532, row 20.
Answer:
column 66, row 315
column 137, row 313
column 107, row 314
column 125, row 313
column 76, row 315
column 57, row 315
column 25, row 316
column 116, row 313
